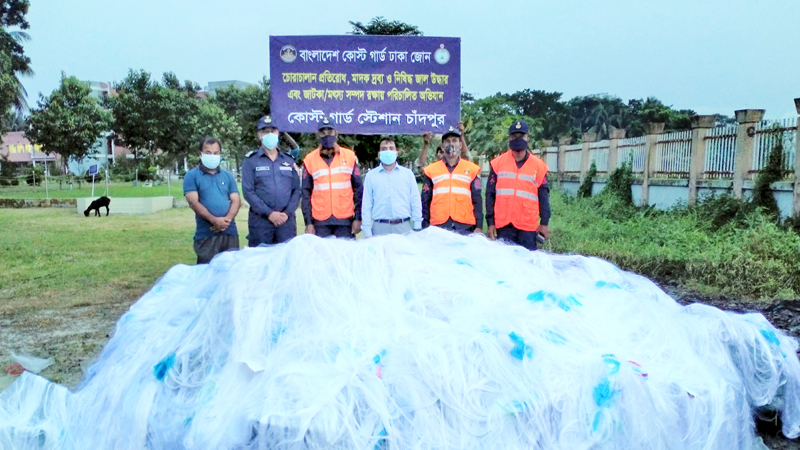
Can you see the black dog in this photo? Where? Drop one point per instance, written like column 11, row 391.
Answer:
column 97, row 204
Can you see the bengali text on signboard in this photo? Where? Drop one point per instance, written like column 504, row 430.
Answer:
column 365, row 84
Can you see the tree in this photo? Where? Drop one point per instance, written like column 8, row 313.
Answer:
column 487, row 120
column 13, row 120
column 15, row 64
column 211, row 120
column 366, row 146
column 69, row 121
column 547, row 107
column 178, row 108
column 245, row 106
column 9, row 86
column 136, row 109
column 383, row 27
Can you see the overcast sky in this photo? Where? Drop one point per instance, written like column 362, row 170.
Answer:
column 707, row 55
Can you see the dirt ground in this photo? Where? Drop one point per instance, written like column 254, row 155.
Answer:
column 74, row 336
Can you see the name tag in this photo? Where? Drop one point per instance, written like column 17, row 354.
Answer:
column 286, row 168
column 259, row 169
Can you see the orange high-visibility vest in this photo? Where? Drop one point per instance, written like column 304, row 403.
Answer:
column 333, row 190
column 452, row 197
column 517, row 191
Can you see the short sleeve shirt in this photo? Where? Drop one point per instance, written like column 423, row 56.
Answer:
column 214, row 191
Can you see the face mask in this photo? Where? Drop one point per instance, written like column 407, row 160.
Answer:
column 270, row 140
column 518, row 144
column 210, row 161
column 387, row 157
column 328, row 141
column 451, row 150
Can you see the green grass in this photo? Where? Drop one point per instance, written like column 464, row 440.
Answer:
column 750, row 257
column 54, row 257
column 114, row 190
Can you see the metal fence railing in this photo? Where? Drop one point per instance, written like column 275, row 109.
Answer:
column 598, row 154
column 673, row 154
column 767, row 135
column 632, row 150
column 720, row 146
column 572, row 158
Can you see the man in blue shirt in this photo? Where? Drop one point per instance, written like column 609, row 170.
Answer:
column 214, row 197
column 391, row 203
column 272, row 187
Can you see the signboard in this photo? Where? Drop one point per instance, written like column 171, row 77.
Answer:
column 365, row 84
column 93, row 169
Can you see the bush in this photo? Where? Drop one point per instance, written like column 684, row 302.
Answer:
column 721, row 246
column 585, row 189
column 619, row 183
column 772, row 172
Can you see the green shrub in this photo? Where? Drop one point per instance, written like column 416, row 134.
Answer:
column 585, row 189
column 721, row 246
column 619, row 183
column 772, row 172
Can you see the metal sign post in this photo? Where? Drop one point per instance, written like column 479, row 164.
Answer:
column 93, row 172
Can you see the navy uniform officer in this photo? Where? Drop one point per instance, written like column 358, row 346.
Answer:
column 272, row 188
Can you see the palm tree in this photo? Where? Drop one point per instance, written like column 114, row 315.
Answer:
column 20, row 67
column 601, row 119
column 13, row 121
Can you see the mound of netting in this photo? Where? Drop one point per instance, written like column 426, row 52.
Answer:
column 430, row 341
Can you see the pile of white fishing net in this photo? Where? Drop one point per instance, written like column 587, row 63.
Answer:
column 430, row 340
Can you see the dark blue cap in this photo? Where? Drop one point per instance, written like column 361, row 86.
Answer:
column 452, row 131
column 324, row 123
column 519, row 126
column 265, row 122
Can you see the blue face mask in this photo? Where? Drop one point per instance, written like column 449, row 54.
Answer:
column 387, row 157
column 270, row 140
column 210, row 162
column 518, row 144
column 327, row 141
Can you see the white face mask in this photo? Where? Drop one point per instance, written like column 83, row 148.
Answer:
column 210, row 161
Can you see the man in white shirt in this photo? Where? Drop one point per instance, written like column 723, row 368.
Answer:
column 391, row 202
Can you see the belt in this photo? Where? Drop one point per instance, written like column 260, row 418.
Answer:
column 393, row 221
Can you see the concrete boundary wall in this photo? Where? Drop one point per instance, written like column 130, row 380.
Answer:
column 684, row 166
column 132, row 205
column 667, row 193
column 37, row 203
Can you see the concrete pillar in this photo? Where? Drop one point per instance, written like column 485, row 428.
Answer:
column 588, row 138
column 563, row 142
column 747, row 119
column 614, row 137
column 796, row 202
column 700, row 126
column 653, row 130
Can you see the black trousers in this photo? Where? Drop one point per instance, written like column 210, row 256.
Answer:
column 340, row 231
column 510, row 233
column 262, row 231
column 457, row 227
column 208, row 247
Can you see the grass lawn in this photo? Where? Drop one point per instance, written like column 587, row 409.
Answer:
column 114, row 190
column 54, row 257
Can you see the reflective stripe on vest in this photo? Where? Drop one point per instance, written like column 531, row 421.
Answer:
column 452, row 195
column 517, row 189
column 333, row 190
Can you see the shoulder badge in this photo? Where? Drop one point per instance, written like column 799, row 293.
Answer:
column 250, row 153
